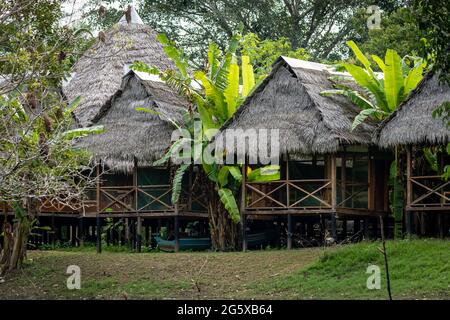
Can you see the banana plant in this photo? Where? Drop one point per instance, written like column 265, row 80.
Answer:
column 216, row 97
column 383, row 92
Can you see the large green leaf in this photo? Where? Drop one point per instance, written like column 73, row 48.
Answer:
column 213, row 59
column 264, row 174
column 214, row 94
column 365, row 80
column 248, row 77
column 359, row 55
column 175, row 54
column 72, row 106
column 231, row 92
column 177, row 182
column 82, row 132
column 393, row 79
column 379, row 62
column 354, row 96
column 229, row 202
column 225, row 171
column 363, row 115
column 413, row 78
column 174, row 148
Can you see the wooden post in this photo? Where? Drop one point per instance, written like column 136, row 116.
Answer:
column 287, row 181
column 147, row 235
column 289, row 232
column 356, row 225
column 177, row 238
column 139, row 234
column 242, row 205
column 53, row 231
column 333, row 196
column 370, row 182
column 408, row 214
column 366, row 228
column 99, row 235
column 81, row 231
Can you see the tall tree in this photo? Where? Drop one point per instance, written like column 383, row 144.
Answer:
column 434, row 20
column 321, row 27
column 37, row 161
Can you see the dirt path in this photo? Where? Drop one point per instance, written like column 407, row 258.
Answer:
column 152, row 275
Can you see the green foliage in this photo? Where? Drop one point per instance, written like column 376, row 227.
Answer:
column 267, row 173
column 382, row 94
column 399, row 31
column 263, row 53
column 215, row 102
column 418, row 269
column 229, row 202
column 178, row 182
column 433, row 19
column 443, row 112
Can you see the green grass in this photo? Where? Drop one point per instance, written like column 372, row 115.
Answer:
column 418, row 269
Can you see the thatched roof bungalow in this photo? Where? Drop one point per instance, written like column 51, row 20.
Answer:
column 132, row 140
column 327, row 167
column 412, row 123
column 135, row 137
column 413, row 126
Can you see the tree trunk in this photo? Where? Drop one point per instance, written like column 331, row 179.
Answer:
column 225, row 234
column 16, row 240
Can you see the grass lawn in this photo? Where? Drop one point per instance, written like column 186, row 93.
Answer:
column 419, row 269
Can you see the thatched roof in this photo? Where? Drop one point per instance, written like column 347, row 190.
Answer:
column 289, row 100
column 412, row 122
column 98, row 73
column 131, row 135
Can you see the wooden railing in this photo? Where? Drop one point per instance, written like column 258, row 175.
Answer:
column 135, row 199
column 349, row 192
column 429, row 191
column 289, row 194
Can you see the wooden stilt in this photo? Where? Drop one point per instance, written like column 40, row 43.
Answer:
column 356, row 226
column 333, row 196
column 344, row 228
column 176, row 230
column 289, row 232
column 242, row 204
column 147, row 235
column 99, row 234
column 409, row 191
column 53, row 231
column 81, row 231
column 366, row 228
column 139, row 234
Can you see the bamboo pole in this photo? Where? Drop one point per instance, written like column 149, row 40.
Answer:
column 242, row 207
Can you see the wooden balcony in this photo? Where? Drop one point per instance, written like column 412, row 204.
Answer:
column 428, row 193
column 300, row 196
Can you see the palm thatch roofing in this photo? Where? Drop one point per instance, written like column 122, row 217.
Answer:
column 135, row 137
column 412, row 122
column 98, row 73
column 289, row 100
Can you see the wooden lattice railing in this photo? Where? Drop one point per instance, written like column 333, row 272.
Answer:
column 429, row 191
column 289, row 194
